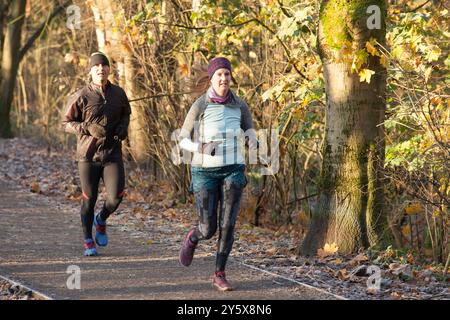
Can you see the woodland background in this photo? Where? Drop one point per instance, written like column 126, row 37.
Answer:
column 278, row 66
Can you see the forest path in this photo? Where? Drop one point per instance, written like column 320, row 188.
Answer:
column 41, row 240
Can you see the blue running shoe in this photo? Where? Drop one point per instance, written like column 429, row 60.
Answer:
column 89, row 248
column 100, row 236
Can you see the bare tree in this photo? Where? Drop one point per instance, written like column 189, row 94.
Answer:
column 13, row 53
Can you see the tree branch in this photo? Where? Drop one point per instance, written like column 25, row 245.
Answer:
column 39, row 31
column 286, row 49
column 161, row 95
column 303, row 198
column 283, row 9
column 418, row 7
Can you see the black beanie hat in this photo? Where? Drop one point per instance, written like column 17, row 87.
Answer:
column 98, row 58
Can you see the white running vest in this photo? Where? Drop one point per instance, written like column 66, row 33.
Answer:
column 221, row 123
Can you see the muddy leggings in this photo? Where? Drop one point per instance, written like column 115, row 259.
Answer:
column 113, row 176
column 218, row 193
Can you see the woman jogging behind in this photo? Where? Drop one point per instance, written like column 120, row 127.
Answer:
column 99, row 115
column 218, row 165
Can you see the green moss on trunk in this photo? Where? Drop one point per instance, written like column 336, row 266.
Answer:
column 338, row 16
column 350, row 199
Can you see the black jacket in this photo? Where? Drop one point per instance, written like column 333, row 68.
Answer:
column 110, row 109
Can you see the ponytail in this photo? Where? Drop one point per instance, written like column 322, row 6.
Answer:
column 199, row 81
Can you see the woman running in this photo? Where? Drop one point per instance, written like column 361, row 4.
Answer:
column 218, row 177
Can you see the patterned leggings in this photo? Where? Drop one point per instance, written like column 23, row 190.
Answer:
column 218, row 193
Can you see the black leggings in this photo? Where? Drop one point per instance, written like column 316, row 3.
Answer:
column 221, row 203
column 113, row 176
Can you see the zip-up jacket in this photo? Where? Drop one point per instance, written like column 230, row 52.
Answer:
column 109, row 108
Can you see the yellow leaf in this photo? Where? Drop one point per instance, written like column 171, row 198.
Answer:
column 184, row 69
column 371, row 49
column 365, row 75
column 384, row 61
column 306, row 101
column 82, row 62
column 406, row 230
column 327, row 250
column 433, row 53
column 359, row 59
column 414, row 208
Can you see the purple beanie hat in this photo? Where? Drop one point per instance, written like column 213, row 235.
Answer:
column 218, row 63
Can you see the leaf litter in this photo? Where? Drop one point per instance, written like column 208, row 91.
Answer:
column 162, row 220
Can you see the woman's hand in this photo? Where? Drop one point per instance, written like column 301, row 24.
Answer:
column 209, row 148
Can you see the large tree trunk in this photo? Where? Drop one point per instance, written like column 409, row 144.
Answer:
column 349, row 209
column 112, row 42
column 3, row 11
column 10, row 64
column 12, row 54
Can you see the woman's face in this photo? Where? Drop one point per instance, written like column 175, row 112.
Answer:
column 220, row 81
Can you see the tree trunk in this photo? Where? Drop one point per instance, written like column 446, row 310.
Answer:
column 12, row 54
column 349, row 209
column 10, row 64
column 3, row 11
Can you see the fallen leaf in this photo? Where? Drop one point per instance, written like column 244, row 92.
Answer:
column 337, row 261
column 372, row 291
column 137, row 210
column 358, row 259
column 134, row 196
column 401, row 269
column 35, row 187
column 271, row 251
column 342, row 274
column 327, row 250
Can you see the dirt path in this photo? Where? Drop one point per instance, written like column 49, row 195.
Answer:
column 41, row 240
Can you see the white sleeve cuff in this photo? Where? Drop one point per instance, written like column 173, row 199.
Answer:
column 188, row 145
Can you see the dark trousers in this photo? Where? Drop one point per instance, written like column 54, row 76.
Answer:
column 113, row 176
column 218, row 200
